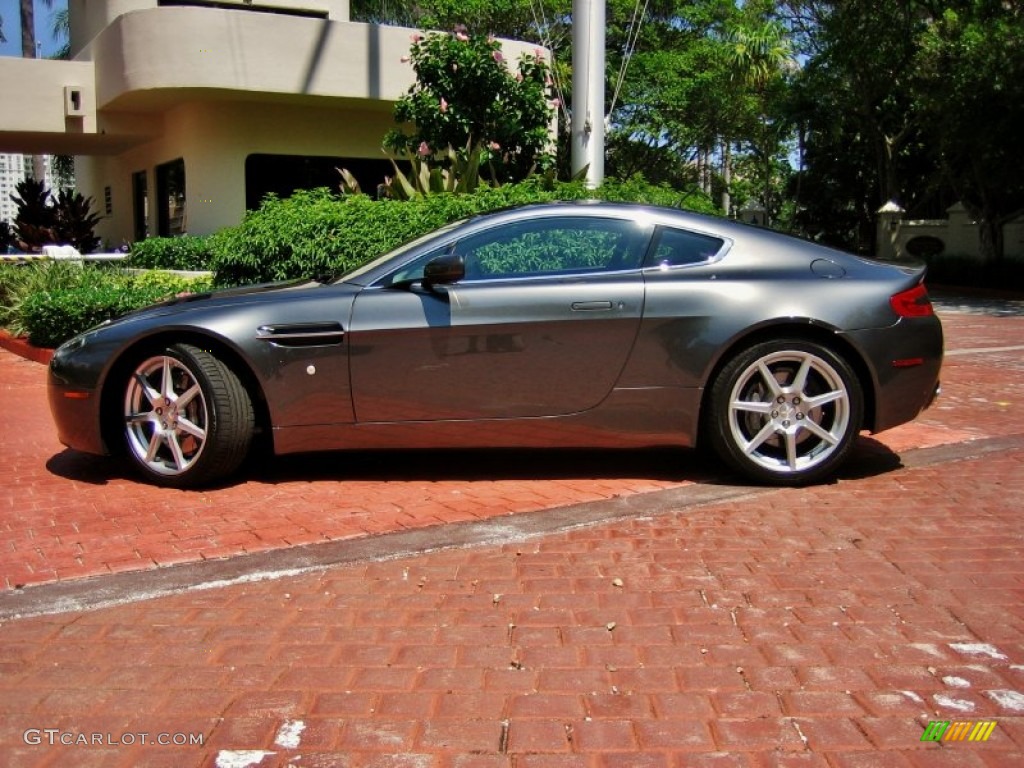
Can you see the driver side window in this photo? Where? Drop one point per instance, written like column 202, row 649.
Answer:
column 552, row 247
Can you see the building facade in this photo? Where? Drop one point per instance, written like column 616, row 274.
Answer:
column 182, row 114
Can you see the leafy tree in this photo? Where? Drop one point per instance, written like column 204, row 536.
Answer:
column 465, row 96
column 761, row 61
column 970, row 96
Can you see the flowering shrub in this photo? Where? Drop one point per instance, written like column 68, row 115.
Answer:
column 467, row 97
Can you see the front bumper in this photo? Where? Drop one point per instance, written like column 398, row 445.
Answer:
column 76, row 413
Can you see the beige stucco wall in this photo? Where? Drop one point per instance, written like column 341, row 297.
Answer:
column 214, row 140
column 90, row 17
column 32, row 99
column 143, row 55
column 958, row 233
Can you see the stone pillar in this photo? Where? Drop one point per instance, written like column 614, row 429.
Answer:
column 888, row 228
column 962, row 237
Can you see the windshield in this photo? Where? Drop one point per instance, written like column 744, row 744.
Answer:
column 353, row 275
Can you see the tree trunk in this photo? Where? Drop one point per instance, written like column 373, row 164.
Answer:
column 28, row 29
column 726, row 177
column 990, row 238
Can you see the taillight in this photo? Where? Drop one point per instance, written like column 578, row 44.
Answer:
column 913, row 302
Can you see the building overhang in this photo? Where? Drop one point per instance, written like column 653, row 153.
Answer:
column 147, row 62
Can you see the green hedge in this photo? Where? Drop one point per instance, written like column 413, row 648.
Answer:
column 316, row 233
column 52, row 316
column 186, row 252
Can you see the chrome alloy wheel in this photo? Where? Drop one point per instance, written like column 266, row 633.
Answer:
column 789, row 411
column 166, row 416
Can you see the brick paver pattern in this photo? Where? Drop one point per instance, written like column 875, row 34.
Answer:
column 812, row 627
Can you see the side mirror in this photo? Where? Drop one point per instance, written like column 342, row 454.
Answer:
column 444, row 270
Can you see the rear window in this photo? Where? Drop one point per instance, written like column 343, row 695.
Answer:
column 679, row 247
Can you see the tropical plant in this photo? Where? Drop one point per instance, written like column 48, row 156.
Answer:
column 43, row 219
column 35, row 215
column 457, row 173
column 74, row 223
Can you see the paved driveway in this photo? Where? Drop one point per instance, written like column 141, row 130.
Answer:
column 577, row 610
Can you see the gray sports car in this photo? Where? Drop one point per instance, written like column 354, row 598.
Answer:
column 568, row 324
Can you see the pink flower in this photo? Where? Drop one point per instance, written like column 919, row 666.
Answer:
column 498, row 57
column 556, row 102
column 519, row 77
column 538, row 52
column 494, row 145
column 444, row 105
column 415, row 37
column 424, row 149
column 462, row 37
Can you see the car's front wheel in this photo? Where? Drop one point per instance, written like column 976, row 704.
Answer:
column 188, row 420
column 785, row 412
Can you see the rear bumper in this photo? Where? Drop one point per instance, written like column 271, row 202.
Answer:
column 906, row 360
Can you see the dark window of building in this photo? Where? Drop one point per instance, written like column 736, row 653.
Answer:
column 170, row 198
column 283, row 174
column 140, row 204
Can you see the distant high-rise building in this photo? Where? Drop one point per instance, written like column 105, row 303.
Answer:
column 14, row 168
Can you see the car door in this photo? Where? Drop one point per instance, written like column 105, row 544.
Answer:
column 541, row 325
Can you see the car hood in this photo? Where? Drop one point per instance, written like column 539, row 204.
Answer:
column 244, row 295
column 188, row 308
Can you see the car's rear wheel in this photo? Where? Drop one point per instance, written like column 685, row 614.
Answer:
column 785, row 412
column 188, row 420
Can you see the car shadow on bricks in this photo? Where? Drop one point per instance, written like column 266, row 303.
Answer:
column 659, row 465
column 87, row 468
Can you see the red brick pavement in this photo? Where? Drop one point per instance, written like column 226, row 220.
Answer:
column 814, row 627
column 65, row 515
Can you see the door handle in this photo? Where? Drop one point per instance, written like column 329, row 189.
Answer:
column 591, row 306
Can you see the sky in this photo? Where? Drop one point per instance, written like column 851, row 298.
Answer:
column 12, row 26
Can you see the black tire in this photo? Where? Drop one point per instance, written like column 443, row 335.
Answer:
column 188, row 421
column 771, row 426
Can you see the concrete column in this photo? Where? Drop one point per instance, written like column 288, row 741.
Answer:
column 888, row 227
column 588, row 41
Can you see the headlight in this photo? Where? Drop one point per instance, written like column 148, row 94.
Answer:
column 70, row 346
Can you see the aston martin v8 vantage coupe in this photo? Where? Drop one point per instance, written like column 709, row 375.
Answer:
column 555, row 325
